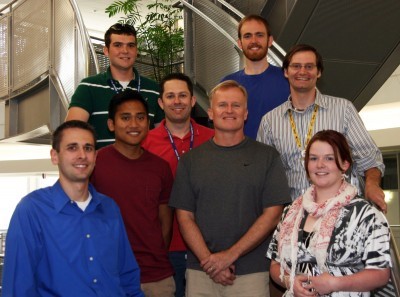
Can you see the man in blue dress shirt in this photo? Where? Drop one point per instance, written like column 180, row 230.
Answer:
column 68, row 239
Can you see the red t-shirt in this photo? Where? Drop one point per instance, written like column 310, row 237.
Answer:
column 138, row 187
column 158, row 143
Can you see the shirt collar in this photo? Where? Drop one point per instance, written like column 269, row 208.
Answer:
column 320, row 100
column 61, row 199
column 165, row 134
column 135, row 80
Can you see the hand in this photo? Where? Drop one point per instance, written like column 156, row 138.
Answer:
column 375, row 193
column 302, row 288
column 225, row 277
column 323, row 284
column 215, row 263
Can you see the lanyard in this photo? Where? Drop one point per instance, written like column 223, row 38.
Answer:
column 173, row 143
column 117, row 90
column 309, row 130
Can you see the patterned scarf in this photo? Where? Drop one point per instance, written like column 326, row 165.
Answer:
column 326, row 214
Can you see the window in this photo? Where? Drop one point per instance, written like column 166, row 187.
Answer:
column 14, row 188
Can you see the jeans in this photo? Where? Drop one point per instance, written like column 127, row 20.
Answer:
column 178, row 261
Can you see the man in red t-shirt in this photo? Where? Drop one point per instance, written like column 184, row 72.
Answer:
column 177, row 134
column 140, row 183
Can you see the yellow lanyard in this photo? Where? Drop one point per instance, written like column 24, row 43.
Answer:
column 309, row 132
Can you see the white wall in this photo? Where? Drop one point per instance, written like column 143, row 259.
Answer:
column 387, row 137
column 27, row 167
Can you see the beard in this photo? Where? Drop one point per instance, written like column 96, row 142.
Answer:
column 255, row 56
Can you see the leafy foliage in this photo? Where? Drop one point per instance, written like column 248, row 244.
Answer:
column 158, row 34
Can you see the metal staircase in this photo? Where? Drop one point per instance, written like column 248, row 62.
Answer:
column 45, row 52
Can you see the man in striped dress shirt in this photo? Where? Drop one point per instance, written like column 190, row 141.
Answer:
column 290, row 126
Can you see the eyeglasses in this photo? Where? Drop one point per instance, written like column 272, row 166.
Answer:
column 298, row 66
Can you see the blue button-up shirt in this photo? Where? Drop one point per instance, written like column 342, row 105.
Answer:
column 53, row 248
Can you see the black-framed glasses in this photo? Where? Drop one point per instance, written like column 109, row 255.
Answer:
column 298, row 66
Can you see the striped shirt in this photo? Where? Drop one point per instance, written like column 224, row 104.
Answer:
column 94, row 94
column 334, row 113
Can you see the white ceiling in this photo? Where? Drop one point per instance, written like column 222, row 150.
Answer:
column 389, row 92
column 94, row 16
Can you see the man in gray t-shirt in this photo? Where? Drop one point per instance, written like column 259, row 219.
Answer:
column 229, row 194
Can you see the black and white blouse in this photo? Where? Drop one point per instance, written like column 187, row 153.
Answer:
column 360, row 240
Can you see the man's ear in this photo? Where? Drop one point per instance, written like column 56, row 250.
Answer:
column 239, row 43
column 54, row 156
column 161, row 103
column 193, row 101
column 95, row 155
column 210, row 113
column 110, row 124
column 270, row 40
column 105, row 51
column 285, row 73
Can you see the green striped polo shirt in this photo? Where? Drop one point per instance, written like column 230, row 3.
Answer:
column 94, row 94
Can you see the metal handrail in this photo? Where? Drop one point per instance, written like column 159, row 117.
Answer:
column 88, row 44
column 272, row 55
column 9, row 5
column 231, row 8
column 211, row 22
column 395, row 270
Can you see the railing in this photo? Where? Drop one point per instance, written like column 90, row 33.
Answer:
column 275, row 52
column 45, row 52
column 391, row 289
column 395, row 254
column 211, row 49
column 2, row 249
column 2, row 242
column 143, row 64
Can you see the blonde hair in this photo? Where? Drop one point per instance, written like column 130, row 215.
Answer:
column 228, row 84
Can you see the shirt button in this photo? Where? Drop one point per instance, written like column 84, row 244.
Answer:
column 87, row 235
column 95, row 280
column 183, row 151
column 90, row 258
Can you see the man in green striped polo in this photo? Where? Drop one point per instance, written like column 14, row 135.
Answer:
column 92, row 96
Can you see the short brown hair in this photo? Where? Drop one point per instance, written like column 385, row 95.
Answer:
column 177, row 76
column 118, row 29
column 338, row 143
column 253, row 17
column 302, row 48
column 59, row 132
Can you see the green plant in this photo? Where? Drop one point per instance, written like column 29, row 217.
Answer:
column 158, row 34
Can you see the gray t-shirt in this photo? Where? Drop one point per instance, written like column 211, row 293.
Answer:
column 227, row 189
